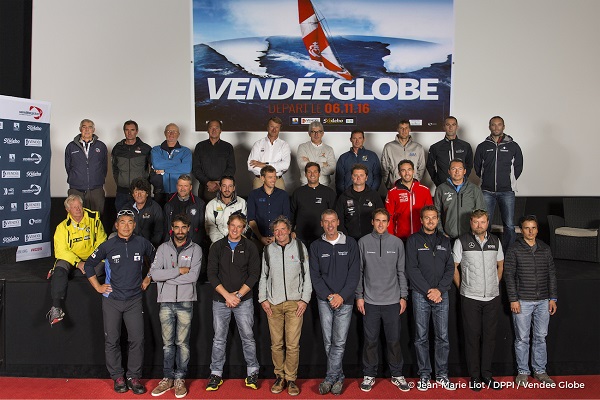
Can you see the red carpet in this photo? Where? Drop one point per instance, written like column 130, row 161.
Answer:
column 568, row 387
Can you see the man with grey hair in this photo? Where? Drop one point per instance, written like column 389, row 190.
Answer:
column 318, row 152
column 86, row 162
column 74, row 240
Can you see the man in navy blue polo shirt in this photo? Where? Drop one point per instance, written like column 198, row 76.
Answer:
column 265, row 204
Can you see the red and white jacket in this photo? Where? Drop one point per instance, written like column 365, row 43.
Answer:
column 404, row 206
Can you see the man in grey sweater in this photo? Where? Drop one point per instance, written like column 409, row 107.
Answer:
column 381, row 295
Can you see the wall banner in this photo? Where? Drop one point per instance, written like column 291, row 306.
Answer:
column 25, row 176
column 351, row 64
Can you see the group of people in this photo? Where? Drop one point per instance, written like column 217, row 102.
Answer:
column 345, row 244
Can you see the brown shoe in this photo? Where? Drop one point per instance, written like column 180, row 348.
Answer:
column 164, row 385
column 180, row 389
column 279, row 385
column 293, row 390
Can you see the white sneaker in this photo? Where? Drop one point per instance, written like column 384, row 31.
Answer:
column 367, row 383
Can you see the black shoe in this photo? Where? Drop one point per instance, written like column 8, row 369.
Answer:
column 120, row 385
column 492, row 383
column 214, row 381
column 136, row 386
column 252, row 380
column 475, row 384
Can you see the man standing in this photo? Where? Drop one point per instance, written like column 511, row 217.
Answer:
column 130, row 160
column 86, row 162
column 455, row 199
column 317, row 152
column 430, row 268
column 220, row 208
column 74, row 240
column 149, row 217
column 404, row 202
column 284, row 291
column 213, row 158
column 265, row 204
column 499, row 163
column 381, row 296
column 481, row 260
column 307, row 204
column 402, row 148
column 356, row 205
column 184, row 202
column 530, row 277
column 122, row 300
column 446, row 150
column 334, row 271
column 169, row 161
column 272, row 151
column 175, row 269
column 233, row 269
column 357, row 155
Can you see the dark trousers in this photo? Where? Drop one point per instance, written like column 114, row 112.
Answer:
column 60, row 279
column 92, row 199
column 114, row 313
column 480, row 319
column 390, row 316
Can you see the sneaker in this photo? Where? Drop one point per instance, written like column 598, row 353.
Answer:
column 337, row 387
column 444, row 382
column 367, row 383
column 279, row 385
column 324, row 387
column 136, row 386
column 163, row 386
column 293, row 389
column 491, row 383
column 423, row 383
column 180, row 389
column 401, row 383
column 214, row 381
column 252, row 380
column 521, row 380
column 543, row 377
column 55, row 315
column 120, row 385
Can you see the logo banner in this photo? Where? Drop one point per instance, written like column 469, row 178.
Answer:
column 25, row 176
column 351, row 64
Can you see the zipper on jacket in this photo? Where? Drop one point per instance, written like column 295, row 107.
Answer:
column 283, row 268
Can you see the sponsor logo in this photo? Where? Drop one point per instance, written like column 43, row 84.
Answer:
column 295, row 120
column 10, row 174
column 307, row 121
column 471, row 245
column 1, row 208
column 34, row 112
column 34, row 128
column 12, row 158
column 33, row 221
column 33, row 189
column 116, row 259
column 9, row 191
column 8, row 140
column 34, row 157
column 11, row 223
column 36, row 249
column 342, row 253
column 33, row 174
column 32, row 237
column 32, row 205
column 13, row 207
column 10, row 239
column 33, row 142
column 416, row 122
column 16, row 126
column 137, row 258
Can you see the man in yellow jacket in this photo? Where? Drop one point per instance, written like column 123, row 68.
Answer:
column 75, row 240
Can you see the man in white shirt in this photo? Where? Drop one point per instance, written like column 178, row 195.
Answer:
column 270, row 151
column 318, row 152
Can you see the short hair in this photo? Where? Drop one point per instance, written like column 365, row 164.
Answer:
column 131, row 122
column 214, row 120
column 358, row 131
column 480, row 213
column 282, row 219
column 329, row 211
column 185, row 177
column 404, row 122
column 83, row 121
column 360, row 166
column 498, row 117
column 315, row 124
column 451, row 117
column 457, row 160
column 277, row 120
column 380, row 210
column 406, row 161
column 527, row 218
column 230, row 177
column 237, row 216
column 429, row 207
column 312, row 164
column 71, row 198
column 182, row 218
column 266, row 169
column 140, row 184
column 171, row 124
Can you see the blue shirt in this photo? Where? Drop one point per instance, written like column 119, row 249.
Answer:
column 265, row 208
column 343, row 169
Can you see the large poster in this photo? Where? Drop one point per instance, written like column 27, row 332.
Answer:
column 25, row 180
column 350, row 64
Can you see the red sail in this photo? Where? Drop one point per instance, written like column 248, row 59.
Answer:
column 316, row 42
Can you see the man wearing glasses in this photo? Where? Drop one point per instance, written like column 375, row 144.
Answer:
column 318, row 152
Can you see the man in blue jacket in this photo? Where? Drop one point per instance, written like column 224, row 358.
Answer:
column 357, row 155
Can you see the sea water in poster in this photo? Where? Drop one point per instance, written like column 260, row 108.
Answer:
column 349, row 64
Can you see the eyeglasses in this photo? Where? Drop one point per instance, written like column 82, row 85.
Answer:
column 125, row 212
column 172, row 132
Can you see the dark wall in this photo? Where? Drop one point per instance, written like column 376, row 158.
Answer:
column 15, row 48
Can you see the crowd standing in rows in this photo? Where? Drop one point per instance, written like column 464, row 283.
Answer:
column 345, row 244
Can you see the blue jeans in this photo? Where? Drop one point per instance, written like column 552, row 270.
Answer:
column 244, row 318
column 506, row 205
column 335, row 325
column 423, row 308
column 176, row 323
column 539, row 312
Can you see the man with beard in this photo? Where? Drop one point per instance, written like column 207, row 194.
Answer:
column 220, row 208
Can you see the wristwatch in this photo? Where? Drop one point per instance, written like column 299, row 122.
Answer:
column 405, row 298
column 238, row 295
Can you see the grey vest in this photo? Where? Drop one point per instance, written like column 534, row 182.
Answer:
column 479, row 266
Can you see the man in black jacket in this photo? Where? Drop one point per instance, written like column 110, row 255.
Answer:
column 530, row 278
column 184, row 202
